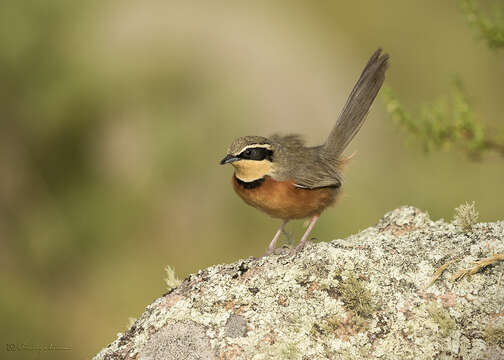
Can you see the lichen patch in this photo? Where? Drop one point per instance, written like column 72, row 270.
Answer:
column 363, row 297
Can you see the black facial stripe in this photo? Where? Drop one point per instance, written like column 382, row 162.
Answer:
column 256, row 153
column 250, row 184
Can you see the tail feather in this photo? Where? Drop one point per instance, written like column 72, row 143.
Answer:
column 357, row 105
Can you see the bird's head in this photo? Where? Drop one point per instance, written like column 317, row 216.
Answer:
column 251, row 156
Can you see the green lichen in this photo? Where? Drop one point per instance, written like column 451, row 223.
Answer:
column 312, row 320
column 302, row 277
column 332, row 323
column 355, row 296
column 360, row 324
column 343, row 327
column 328, row 326
column 287, row 351
column 328, row 282
column 316, row 331
column 294, row 322
column 442, row 319
column 409, row 329
column 494, row 335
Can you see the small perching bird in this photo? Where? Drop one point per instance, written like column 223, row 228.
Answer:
column 288, row 180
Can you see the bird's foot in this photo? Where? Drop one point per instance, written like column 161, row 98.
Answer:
column 276, row 251
column 271, row 247
column 269, row 251
column 300, row 247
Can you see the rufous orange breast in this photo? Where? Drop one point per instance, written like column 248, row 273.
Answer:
column 282, row 199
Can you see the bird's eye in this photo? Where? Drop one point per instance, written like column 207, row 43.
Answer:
column 256, row 153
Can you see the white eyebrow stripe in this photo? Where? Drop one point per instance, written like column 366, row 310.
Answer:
column 265, row 146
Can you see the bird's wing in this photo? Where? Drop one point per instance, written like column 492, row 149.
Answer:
column 304, row 165
column 315, row 177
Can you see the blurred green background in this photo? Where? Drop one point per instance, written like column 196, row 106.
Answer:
column 115, row 114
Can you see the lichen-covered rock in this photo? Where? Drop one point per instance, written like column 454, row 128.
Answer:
column 360, row 298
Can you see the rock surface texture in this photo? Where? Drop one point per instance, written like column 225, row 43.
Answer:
column 363, row 297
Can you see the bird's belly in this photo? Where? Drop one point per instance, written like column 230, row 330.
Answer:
column 282, row 199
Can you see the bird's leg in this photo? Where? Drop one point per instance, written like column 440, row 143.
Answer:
column 271, row 246
column 288, row 235
column 304, row 239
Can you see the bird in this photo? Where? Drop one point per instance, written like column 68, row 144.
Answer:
column 288, row 180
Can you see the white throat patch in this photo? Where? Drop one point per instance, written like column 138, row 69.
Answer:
column 250, row 170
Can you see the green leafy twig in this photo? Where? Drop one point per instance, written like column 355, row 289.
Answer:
column 447, row 121
column 490, row 29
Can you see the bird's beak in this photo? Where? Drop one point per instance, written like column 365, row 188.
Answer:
column 229, row 159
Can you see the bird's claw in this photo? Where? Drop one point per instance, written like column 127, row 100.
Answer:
column 300, row 247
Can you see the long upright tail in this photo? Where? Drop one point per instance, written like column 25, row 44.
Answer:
column 357, row 105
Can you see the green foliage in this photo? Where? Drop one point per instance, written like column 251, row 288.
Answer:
column 490, row 29
column 448, row 121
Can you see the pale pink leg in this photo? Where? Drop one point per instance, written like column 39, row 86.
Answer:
column 272, row 244
column 303, row 240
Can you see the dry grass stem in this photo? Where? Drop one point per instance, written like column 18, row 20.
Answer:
column 478, row 266
column 466, row 216
column 438, row 273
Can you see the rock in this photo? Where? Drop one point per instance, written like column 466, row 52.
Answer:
column 363, row 297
